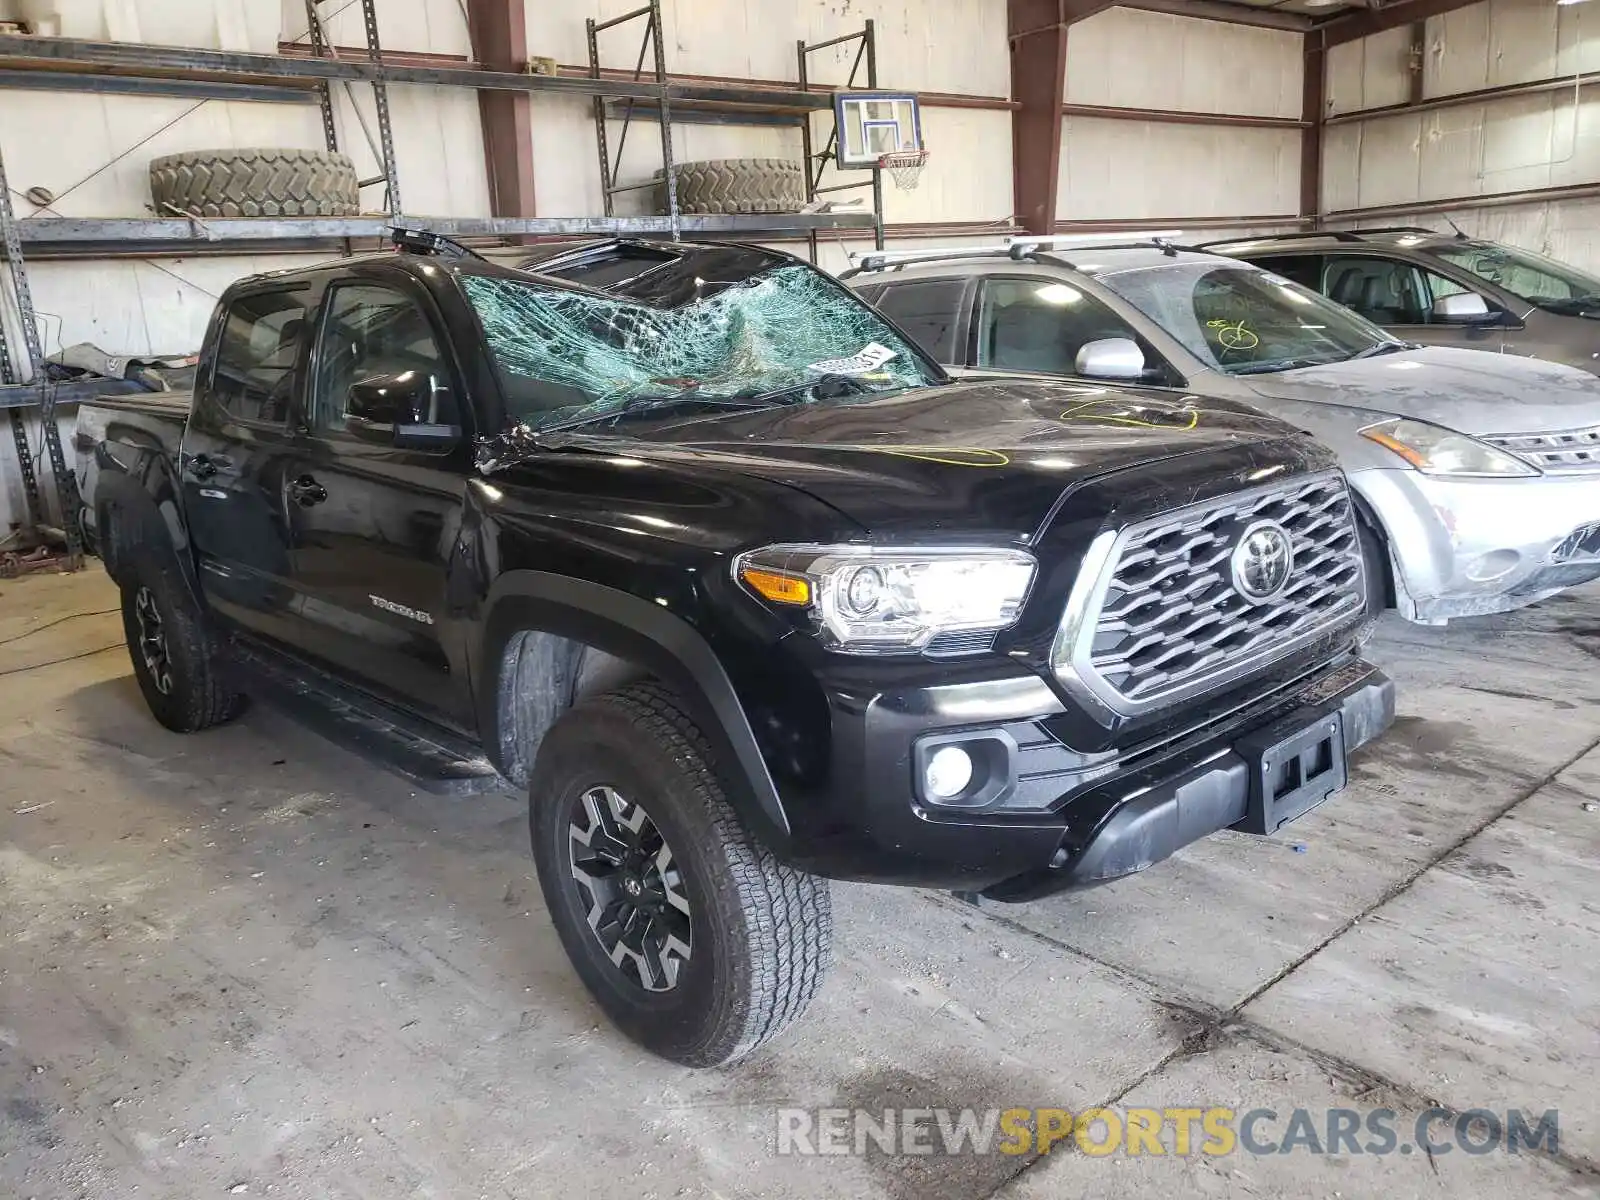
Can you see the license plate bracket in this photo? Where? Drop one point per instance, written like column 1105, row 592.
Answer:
column 1295, row 765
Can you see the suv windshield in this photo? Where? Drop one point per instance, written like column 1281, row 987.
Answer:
column 1243, row 320
column 777, row 334
column 1538, row 280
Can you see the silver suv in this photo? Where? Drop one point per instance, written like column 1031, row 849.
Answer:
column 1477, row 476
column 1444, row 290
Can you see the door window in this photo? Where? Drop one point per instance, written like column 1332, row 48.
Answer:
column 929, row 310
column 1040, row 324
column 372, row 331
column 1387, row 291
column 256, row 356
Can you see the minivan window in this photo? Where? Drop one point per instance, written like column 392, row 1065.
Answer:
column 1243, row 320
column 1540, row 281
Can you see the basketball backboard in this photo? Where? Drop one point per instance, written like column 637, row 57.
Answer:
column 872, row 124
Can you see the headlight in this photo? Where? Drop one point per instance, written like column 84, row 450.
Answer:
column 869, row 600
column 1437, row 451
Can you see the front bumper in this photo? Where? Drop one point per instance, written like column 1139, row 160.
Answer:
column 1072, row 820
column 1468, row 547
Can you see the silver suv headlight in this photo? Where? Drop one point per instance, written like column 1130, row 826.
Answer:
column 873, row 600
column 1437, row 451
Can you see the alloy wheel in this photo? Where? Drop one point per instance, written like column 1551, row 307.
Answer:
column 631, row 888
column 153, row 640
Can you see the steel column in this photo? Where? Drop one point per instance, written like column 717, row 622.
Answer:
column 49, row 432
column 380, row 98
column 500, row 42
column 1037, row 30
column 1313, row 109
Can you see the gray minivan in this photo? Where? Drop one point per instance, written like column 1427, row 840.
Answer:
column 1443, row 289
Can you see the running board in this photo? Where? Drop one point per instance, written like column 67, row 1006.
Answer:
column 433, row 759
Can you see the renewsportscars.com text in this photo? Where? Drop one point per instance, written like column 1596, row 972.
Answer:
column 1164, row 1131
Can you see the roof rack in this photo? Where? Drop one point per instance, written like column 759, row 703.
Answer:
column 1338, row 235
column 1018, row 248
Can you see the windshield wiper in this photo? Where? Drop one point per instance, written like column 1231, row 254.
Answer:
column 833, row 381
column 639, row 404
column 1284, row 364
column 1384, row 348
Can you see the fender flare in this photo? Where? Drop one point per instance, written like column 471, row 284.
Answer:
column 631, row 628
column 139, row 523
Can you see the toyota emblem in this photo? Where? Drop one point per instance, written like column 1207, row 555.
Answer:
column 1263, row 561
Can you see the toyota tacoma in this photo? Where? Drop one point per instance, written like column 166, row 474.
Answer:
column 697, row 548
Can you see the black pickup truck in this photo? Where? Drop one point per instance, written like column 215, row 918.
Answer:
column 700, row 550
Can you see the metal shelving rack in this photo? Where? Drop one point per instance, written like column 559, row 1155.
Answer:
column 56, row 63
column 816, row 163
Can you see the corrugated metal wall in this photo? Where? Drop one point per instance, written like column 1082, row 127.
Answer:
column 1500, row 145
column 1113, row 168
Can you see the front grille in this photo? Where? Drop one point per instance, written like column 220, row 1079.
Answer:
column 1171, row 620
column 1569, row 450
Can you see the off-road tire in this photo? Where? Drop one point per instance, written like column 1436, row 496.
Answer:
column 255, row 183
column 762, row 932
column 736, row 185
column 198, row 695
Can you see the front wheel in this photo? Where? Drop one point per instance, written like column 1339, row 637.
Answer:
column 695, row 940
column 174, row 655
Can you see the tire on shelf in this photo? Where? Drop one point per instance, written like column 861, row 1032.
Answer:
column 254, row 183
column 736, row 185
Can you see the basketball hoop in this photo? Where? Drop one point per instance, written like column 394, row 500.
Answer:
column 904, row 167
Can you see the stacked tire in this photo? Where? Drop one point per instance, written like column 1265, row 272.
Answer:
column 254, row 183
column 736, row 185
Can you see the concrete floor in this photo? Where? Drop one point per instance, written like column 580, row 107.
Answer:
column 246, row 963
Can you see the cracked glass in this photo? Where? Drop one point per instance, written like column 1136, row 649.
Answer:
column 565, row 354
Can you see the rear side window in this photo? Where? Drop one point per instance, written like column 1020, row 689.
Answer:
column 928, row 310
column 256, row 355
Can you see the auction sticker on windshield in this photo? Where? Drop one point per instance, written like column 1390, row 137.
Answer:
column 869, row 358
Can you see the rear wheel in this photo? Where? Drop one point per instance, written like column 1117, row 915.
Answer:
column 174, row 655
column 695, row 940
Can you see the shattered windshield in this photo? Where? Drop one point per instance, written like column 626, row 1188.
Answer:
column 1246, row 321
column 778, row 336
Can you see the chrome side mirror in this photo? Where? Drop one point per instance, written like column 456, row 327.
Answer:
column 1110, row 358
column 1463, row 308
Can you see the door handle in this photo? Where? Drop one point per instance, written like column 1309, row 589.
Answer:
column 306, row 491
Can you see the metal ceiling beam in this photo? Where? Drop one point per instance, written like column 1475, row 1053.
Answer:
column 1230, row 14
column 1340, row 30
column 499, row 33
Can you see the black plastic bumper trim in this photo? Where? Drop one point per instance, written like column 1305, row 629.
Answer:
column 1153, row 824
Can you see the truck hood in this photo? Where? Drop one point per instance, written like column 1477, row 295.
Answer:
column 984, row 458
column 1472, row 391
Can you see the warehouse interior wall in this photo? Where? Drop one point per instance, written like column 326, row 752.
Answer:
column 1513, row 144
column 1116, row 168
column 955, row 47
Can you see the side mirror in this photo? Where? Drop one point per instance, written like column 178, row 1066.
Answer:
column 1463, row 308
column 1110, row 358
column 398, row 410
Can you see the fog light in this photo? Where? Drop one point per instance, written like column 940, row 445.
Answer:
column 948, row 772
